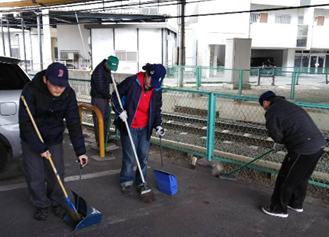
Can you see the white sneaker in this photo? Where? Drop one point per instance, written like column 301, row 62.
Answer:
column 296, row 209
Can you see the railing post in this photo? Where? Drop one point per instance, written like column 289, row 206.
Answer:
column 297, row 76
column 198, row 77
column 211, row 126
column 292, row 90
column 100, row 125
column 240, row 81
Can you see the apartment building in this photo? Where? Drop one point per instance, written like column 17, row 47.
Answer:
column 288, row 38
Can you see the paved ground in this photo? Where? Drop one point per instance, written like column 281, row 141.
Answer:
column 203, row 206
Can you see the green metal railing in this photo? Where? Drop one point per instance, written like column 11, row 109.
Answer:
column 221, row 126
column 289, row 82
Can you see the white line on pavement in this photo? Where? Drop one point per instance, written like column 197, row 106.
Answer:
column 67, row 179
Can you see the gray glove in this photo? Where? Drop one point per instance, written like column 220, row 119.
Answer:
column 160, row 132
column 278, row 147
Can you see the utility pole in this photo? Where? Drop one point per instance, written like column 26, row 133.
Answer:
column 182, row 44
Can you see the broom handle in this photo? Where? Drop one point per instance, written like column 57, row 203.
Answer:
column 39, row 135
column 129, row 134
column 257, row 158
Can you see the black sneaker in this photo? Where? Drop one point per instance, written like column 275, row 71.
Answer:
column 127, row 191
column 41, row 214
column 141, row 188
column 296, row 209
column 268, row 211
column 59, row 210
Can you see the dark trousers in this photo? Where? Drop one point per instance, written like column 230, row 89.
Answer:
column 104, row 107
column 42, row 183
column 292, row 181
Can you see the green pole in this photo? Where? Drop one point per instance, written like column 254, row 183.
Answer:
column 297, row 76
column 240, row 81
column 108, row 127
column 211, row 126
column 292, row 91
column 198, row 77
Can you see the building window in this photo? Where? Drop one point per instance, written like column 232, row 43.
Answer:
column 253, row 17
column 300, row 20
column 320, row 20
column 263, row 17
column 282, row 19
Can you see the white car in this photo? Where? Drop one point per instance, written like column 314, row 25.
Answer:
column 12, row 81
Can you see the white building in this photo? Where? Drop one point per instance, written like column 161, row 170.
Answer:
column 291, row 38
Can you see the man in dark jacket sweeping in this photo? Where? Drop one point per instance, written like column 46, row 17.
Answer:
column 101, row 80
column 51, row 100
column 292, row 128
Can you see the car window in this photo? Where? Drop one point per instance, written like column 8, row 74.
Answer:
column 12, row 77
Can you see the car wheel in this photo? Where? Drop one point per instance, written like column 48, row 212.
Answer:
column 3, row 157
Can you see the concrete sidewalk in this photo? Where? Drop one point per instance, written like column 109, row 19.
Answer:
column 203, row 206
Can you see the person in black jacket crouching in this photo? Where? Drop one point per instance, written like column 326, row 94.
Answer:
column 291, row 128
column 51, row 100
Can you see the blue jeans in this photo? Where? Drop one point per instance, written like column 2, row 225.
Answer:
column 139, row 137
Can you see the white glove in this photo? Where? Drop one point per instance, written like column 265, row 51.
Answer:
column 123, row 116
column 278, row 147
column 160, row 132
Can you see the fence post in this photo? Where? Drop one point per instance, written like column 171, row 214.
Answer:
column 240, row 81
column 297, row 76
column 198, row 77
column 292, row 90
column 211, row 126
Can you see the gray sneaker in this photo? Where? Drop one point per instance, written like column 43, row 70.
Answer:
column 127, row 191
column 141, row 188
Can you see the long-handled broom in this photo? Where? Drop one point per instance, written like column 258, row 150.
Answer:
column 232, row 177
column 147, row 194
column 70, row 206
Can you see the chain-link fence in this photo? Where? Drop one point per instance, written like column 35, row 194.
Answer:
column 221, row 126
column 300, row 84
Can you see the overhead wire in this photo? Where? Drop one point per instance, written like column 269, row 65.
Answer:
column 175, row 2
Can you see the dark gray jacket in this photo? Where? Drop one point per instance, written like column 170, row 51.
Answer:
column 100, row 82
column 291, row 125
column 49, row 113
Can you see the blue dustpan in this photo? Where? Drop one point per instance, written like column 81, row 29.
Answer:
column 89, row 215
column 167, row 182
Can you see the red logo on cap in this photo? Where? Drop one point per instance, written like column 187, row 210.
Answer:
column 61, row 73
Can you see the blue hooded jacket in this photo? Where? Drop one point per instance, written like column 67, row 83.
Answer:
column 130, row 92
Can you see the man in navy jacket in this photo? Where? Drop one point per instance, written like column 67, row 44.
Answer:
column 50, row 100
column 141, row 96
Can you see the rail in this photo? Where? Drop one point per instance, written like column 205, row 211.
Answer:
column 100, row 125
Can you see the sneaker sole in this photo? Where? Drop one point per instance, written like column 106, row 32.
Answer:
column 275, row 214
column 296, row 209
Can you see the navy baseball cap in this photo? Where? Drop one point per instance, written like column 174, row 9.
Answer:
column 58, row 75
column 157, row 73
column 266, row 95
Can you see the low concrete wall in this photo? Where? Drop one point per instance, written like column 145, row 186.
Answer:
column 82, row 74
